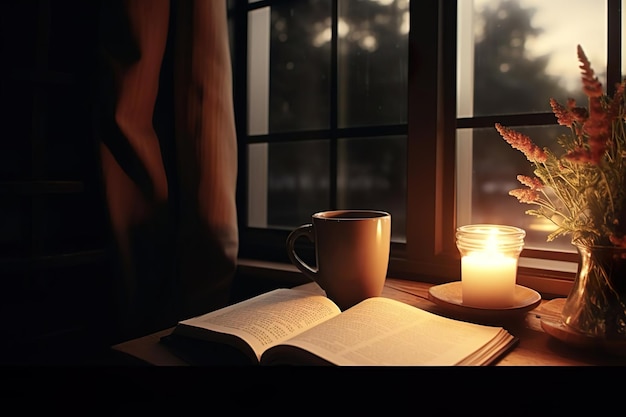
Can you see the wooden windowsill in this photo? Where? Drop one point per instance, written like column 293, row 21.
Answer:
column 289, row 275
column 535, row 348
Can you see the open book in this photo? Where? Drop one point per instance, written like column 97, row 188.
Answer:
column 297, row 327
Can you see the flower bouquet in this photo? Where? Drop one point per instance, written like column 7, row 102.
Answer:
column 582, row 191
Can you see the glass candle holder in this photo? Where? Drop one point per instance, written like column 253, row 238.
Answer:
column 489, row 259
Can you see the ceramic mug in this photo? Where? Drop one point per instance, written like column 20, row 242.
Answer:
column 351, row 252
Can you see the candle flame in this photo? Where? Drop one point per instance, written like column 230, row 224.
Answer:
column 491, row 245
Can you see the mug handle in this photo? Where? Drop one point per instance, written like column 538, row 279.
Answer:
column 304, row 230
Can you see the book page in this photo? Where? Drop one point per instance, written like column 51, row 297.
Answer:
column 269, row 318
column 381, row 331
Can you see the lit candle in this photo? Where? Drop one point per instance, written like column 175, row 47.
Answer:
column 489, row 258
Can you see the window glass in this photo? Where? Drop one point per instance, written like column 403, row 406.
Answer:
column 516, row 54
column 299, row 66
column 290, row 90
column 257, row 185
column 494, row 171
column 288, row 182
column 372, row 62
column 513, row 56
column 298, row 182
column 371, row 174
column 258, row 70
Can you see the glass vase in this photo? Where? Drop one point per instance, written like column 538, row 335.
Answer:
column 596, row 305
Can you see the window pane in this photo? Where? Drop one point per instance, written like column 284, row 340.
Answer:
column 289, row 67
column 516, row 54
column 372, row 175
column 513, row 56
column 287, row 182
column 257, row 184
column 258, row 71
column 493, row 171
column 298, row 182
column 299, row 66
column 372, row 62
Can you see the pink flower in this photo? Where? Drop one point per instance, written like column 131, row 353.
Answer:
column 566, row 116
column 583, row 188
column 580, row 155
column 522, row 143
column 525, row 195
column 532, row 183
column 591, row 86
column 597, row 126
column 618, row 241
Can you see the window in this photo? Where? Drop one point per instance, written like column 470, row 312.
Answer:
column 340, row 105
column 512, row 57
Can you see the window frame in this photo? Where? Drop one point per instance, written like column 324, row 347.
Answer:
column 430, row 252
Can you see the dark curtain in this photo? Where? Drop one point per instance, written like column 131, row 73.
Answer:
column 168, row 151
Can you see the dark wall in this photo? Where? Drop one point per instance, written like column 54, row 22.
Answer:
column 56, row 302
column 54, row 292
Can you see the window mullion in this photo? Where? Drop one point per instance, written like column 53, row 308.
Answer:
column 430, row 164
column 614, row 45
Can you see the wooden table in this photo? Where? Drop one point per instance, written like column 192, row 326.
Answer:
column 536, row 348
